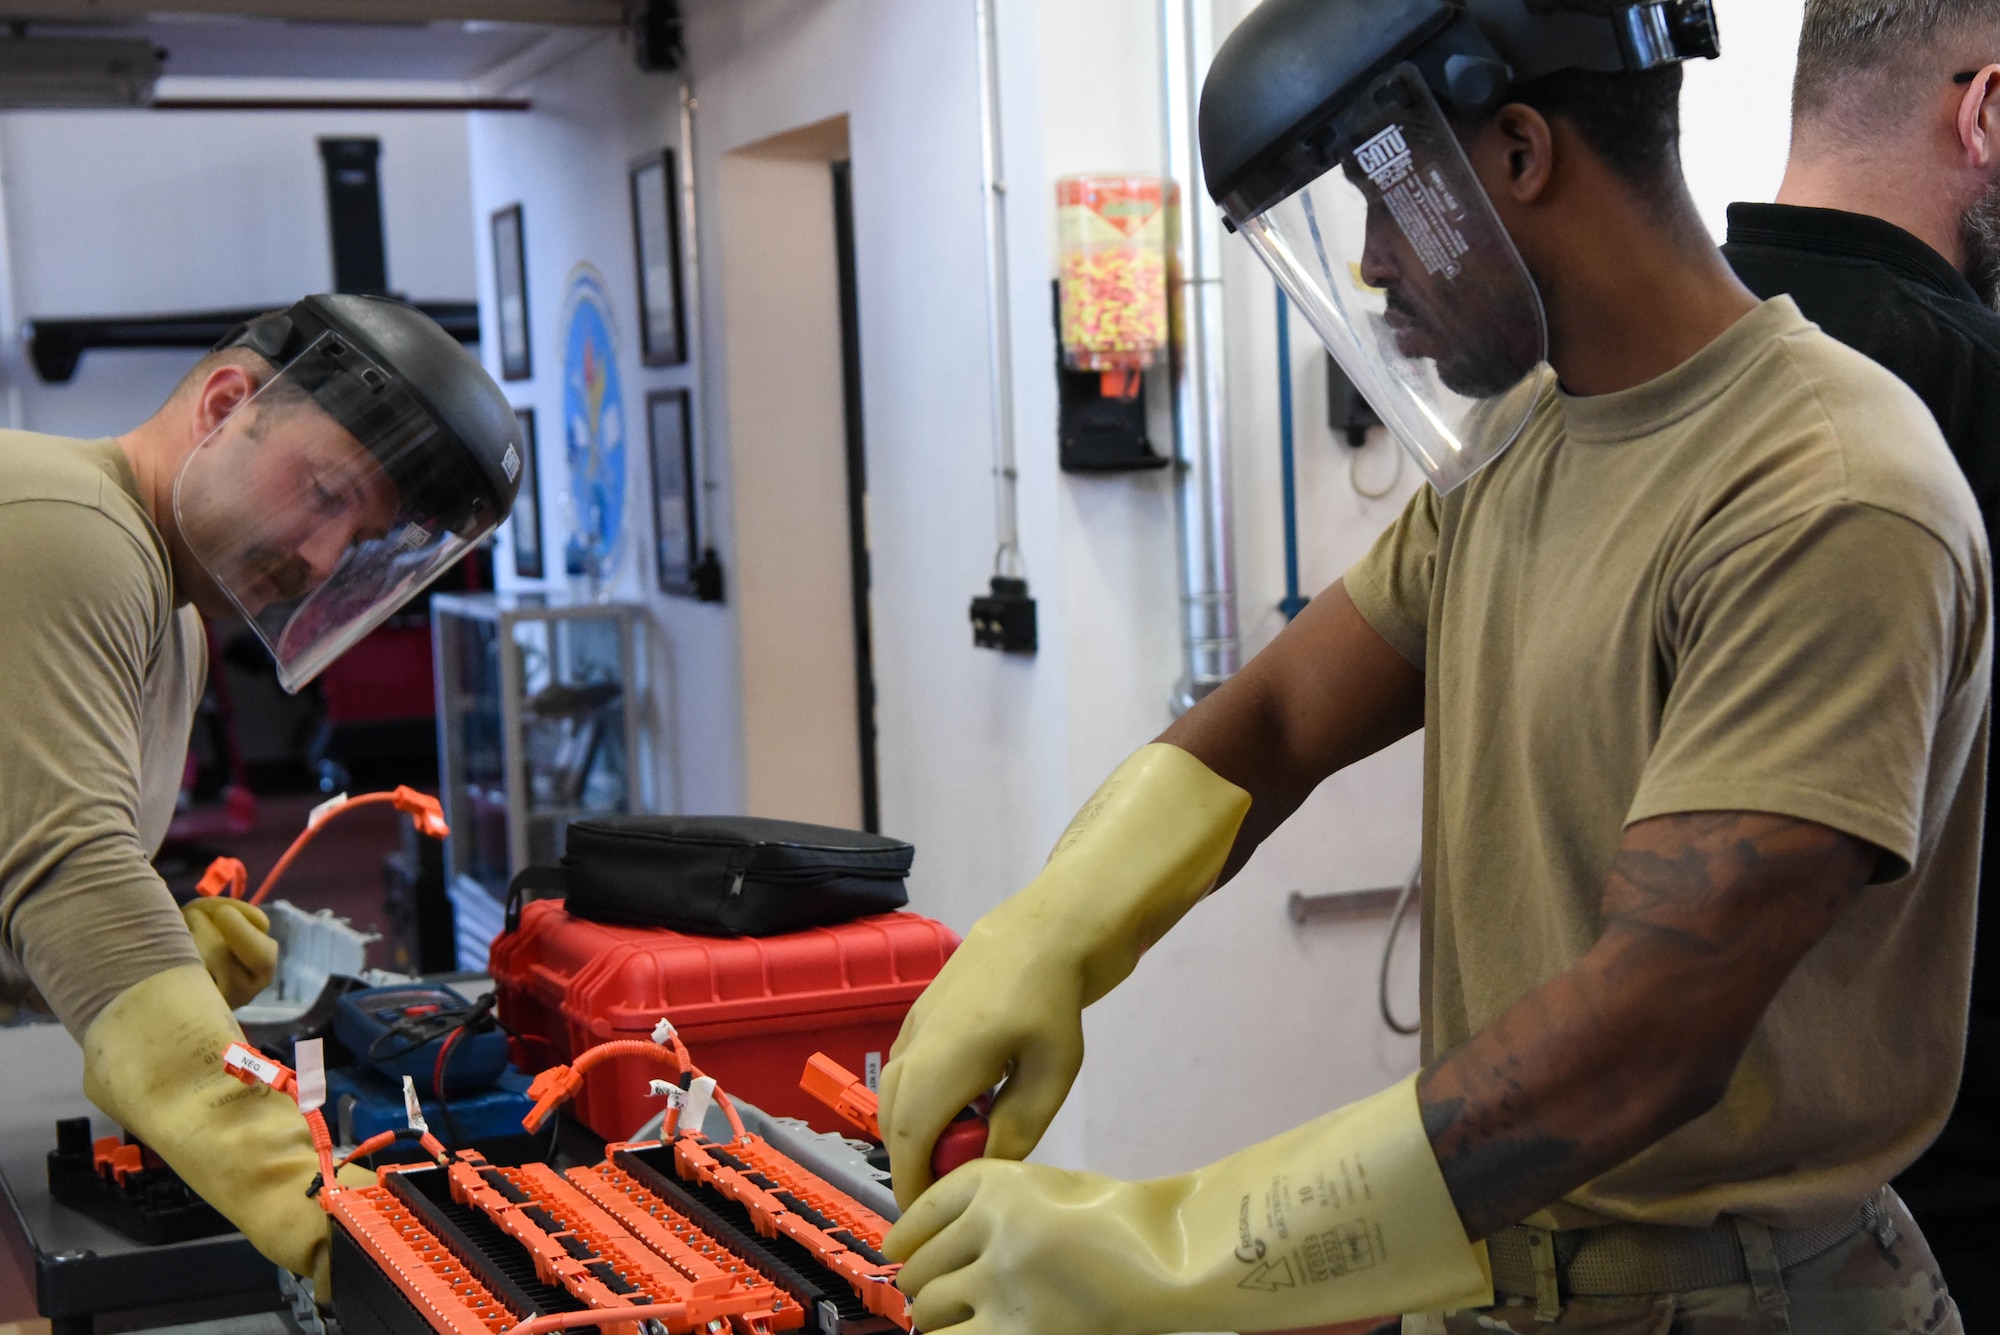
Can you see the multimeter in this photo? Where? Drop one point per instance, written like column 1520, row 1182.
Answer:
column 400, row 1030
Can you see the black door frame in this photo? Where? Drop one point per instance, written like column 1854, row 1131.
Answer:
column 857, row 492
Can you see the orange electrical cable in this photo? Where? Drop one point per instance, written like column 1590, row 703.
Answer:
column 421, row 808
column 556, row 1085
column 599, row 1316
column 381, row 1140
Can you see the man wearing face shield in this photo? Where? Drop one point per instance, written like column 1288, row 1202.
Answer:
column 311, row 474
column 1702, row 804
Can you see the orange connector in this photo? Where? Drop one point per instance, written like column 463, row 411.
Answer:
column 847, row 1094
column 114, row 1159
column 423, row 810
column 550, row 1089
column 844, row 1092
column 224, row 877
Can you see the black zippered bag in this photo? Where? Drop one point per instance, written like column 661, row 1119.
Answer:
column 721, row 875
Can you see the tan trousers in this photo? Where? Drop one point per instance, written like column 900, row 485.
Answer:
column 1860, row 1287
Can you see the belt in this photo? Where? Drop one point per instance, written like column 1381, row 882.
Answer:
column 1619, row 1259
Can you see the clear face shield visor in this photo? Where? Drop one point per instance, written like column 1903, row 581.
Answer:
column 1395, row 256
column 329, row 499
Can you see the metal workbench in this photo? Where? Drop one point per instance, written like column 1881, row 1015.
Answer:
column 85, row 1270
column 82, row 1268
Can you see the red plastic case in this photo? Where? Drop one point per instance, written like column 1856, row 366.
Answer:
column 752, row 1010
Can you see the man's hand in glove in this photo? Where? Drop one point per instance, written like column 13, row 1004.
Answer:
column 1009, row 1003
column 1276, row 1236
column 234, row 938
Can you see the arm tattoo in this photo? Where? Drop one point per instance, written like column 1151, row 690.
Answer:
column 1703, row 918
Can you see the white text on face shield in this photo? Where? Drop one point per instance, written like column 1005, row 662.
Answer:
column 1385, row 159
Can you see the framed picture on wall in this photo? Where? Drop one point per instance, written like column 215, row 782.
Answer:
column 526, row 521
column 510, row 286
column 656, row 230
column 670, row 434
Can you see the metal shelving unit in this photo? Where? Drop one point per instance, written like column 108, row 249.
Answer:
column 541, row 720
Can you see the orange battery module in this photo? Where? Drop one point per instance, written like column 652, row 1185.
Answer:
column 670, row 1237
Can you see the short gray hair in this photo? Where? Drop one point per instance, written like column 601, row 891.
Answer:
column 1845, row 40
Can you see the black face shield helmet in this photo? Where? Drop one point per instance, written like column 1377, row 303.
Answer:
column 1327, row 138
column 377, row 455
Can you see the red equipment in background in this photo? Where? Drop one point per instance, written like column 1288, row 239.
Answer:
column 756, row 1008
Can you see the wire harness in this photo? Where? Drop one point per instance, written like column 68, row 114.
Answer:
column 672, row 1237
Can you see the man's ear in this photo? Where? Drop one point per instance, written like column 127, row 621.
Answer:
column 1514, row 154
column 1978, row 122
column 226, row 389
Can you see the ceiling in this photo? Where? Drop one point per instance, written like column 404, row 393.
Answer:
column 433, row 41
column 585, row 13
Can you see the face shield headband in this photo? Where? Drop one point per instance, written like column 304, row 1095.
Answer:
column 320, row 506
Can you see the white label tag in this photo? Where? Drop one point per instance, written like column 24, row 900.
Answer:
column 310, row 1056
column 412, row 1109
column 240, row 1058
column 510, row 463
column 325, row 809
column 871, row 1071
column 698, row 1099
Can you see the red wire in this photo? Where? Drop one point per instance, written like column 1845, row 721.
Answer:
column 306, row 835
column 444, row 1055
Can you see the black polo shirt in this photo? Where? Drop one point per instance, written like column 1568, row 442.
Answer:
column 1880, row 290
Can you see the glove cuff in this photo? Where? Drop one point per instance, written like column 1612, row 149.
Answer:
column 1343, row 1218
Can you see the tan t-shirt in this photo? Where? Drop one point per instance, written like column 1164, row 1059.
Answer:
column 1757, row 583
column 100, row 675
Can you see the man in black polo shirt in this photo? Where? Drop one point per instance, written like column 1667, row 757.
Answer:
column 1887, row 235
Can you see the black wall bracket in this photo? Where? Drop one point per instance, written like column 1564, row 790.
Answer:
column 1098, row 432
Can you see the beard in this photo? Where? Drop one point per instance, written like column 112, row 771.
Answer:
column 1979, row 235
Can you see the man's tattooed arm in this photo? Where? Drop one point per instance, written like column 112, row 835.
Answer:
column 1704, row 917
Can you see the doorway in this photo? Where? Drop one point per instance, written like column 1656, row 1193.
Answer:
column 799, row 477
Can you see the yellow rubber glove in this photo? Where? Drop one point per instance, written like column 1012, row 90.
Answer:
column 152, row 1059
column 1345, row 1217
column 234, row 938
column 1009, row 1003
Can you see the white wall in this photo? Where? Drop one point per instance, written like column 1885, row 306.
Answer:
column 138, row 212
column 983, row 757
column 970, row 742
column 1736, row 111
column 566, row 163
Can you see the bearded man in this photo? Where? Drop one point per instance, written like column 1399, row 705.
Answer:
column 1887, row 234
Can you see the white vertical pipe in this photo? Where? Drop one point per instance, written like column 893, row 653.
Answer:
column 1201, row 410
column 13, row 350
column 999, row 319
column 691, row 313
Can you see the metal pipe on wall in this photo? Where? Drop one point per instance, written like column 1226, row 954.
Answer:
column 999, row 320
column 1211, row 650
